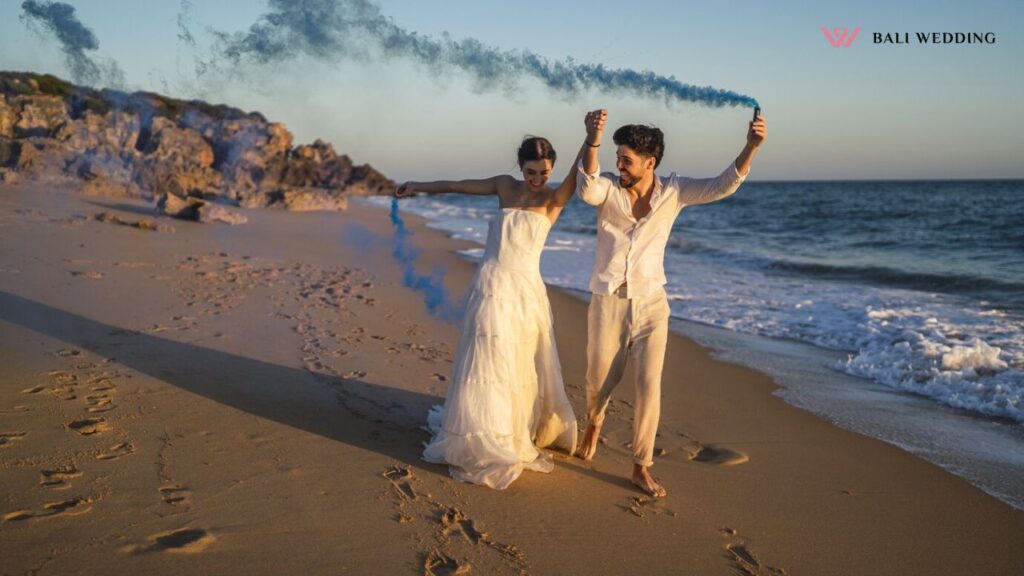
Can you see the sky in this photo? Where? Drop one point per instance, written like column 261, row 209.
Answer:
column 869, row 111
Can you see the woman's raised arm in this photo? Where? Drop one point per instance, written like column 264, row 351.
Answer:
column 484, row 187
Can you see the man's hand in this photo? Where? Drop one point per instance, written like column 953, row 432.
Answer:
column 594, row 122
column 757, row 132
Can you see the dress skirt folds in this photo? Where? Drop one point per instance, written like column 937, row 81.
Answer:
column 506, row 397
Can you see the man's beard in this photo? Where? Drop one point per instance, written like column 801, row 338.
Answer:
column 627, row 180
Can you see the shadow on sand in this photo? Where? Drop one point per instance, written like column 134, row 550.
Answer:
column 291, row 396
column 369, row 416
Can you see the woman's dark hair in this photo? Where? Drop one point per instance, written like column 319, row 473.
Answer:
column 644, row 140
column 535, row 148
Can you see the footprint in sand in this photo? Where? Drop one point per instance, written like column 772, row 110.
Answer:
column 33, row 390
column 453, row 521
column 182, row 541
column 444, row 522
column 744, row 561
column 116, row 451
column 7, row 438
column 99, row 403
column 718, row 456
column 89, row 426
column 400, row 479
column 70, row 507
column 102, row 385
column 64, row 378
column 57, row 477
column 437, row 563
column 87, row 274
column 640, row 506
column 176, row 495
column 128, row 264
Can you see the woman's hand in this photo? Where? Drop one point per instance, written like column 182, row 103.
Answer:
column 405, row 190
column 594, row 121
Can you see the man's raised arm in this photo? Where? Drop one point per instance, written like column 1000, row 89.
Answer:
column 705, row 190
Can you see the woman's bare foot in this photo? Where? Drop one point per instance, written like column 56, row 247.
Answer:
column 643, row 480
column 589, row 445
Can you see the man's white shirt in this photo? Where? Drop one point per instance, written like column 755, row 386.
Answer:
column 631, row 251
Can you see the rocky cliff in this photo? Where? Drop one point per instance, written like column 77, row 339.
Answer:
column 183, row 153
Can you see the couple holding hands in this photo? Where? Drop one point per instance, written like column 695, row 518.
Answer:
column 507, row 398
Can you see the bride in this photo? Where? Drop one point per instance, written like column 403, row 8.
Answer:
column 506, row 397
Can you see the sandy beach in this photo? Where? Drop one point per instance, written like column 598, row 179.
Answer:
column 214, row 399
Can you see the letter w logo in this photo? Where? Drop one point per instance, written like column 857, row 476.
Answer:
column 840, row 38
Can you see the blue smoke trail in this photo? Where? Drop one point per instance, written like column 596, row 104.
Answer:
column 75, row 39
column 330, row 29
column 431, row 286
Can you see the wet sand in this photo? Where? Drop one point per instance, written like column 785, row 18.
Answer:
column 249, row 399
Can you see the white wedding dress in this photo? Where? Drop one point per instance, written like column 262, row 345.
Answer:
column 506, row 397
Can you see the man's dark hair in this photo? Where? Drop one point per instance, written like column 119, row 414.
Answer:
column 535, row 148
column 644, row 140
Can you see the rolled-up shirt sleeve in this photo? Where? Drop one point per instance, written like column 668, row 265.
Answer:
column 705, row 190
column 591, row 188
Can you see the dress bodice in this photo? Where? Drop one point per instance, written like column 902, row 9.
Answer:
column 515, row 239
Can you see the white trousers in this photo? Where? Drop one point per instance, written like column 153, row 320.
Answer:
column 619, row 327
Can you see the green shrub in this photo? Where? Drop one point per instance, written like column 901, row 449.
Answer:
column 49, row 84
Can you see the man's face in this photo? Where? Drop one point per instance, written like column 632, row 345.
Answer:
column 632, row 166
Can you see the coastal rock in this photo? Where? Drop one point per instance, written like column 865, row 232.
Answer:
column 103, row 150
column 210, row 212
column 8, row 176
column 41, row 158
column 169, row 143
column 118, row 131
column 185, row 208
column 141, row 224
column 143, row 144
column 317, row 165
column 309, row 199
column 178, row 162
column 39, row 115
column 8, row 152
column 6, row 118
column 367, row 181
column 111, row 188
column 249, row 152
column 197, row 209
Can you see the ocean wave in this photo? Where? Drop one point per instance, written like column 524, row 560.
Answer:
column 949, row 283
column 914, row 352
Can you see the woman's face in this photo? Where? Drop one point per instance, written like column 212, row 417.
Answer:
column 536, row 174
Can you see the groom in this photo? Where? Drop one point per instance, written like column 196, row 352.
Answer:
column 629, row 311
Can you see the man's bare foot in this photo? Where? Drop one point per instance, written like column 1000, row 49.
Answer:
column 589, row 445
column 642, row 479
